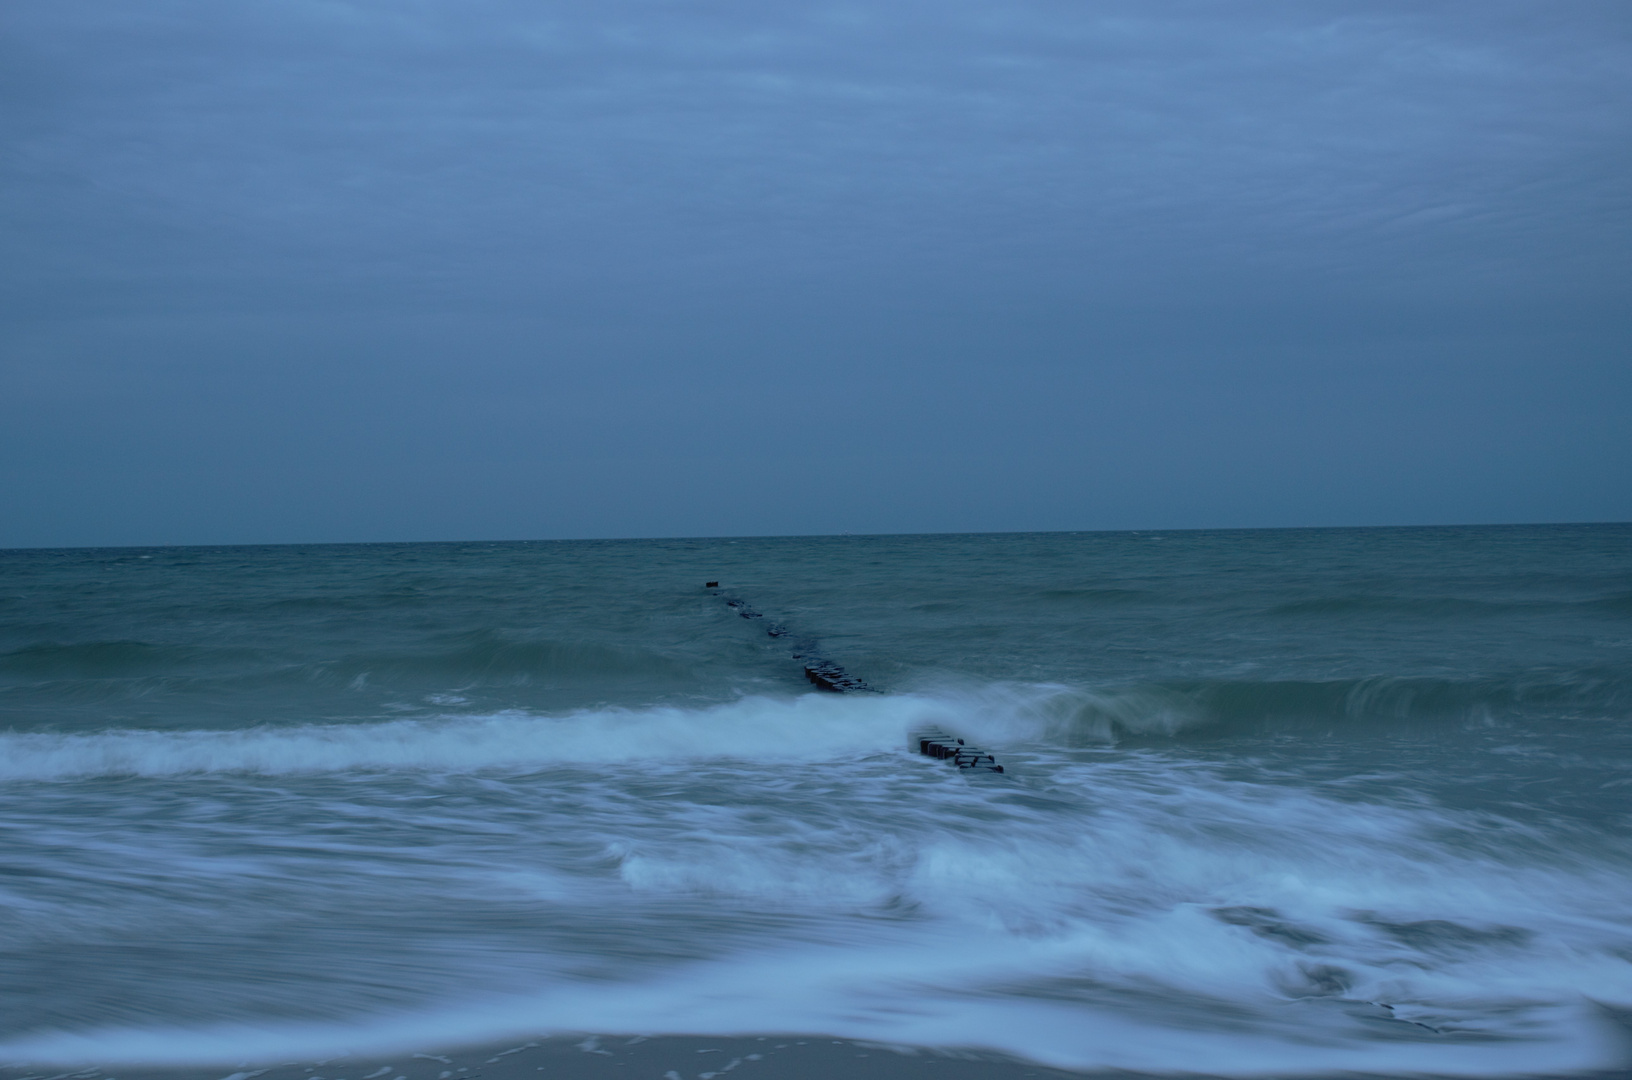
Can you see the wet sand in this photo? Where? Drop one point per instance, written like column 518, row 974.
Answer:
column 668, row 1057
column 701, row 1057
column 623, row 1057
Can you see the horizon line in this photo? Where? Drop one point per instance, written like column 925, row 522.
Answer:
column 819, row 536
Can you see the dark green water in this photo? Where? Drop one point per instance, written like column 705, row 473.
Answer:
column 1276, row 800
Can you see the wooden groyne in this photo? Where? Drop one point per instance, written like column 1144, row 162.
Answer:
column 935, row 743
column 831, row 676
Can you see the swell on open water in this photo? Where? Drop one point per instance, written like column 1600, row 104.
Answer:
column 1276, row 801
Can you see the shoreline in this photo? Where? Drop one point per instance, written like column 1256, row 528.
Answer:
column 610, row 1057
column 686, row 1057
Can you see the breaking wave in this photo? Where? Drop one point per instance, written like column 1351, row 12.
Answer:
column 1358, row 708
column 810, row 727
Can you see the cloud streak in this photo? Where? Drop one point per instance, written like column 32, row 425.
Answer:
column 566, row 139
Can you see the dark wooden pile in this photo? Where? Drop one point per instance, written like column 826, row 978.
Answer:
column 936, row 743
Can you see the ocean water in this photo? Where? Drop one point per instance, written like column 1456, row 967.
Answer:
column 1275, row 801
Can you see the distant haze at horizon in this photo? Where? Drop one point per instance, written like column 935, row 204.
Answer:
column 332, row 272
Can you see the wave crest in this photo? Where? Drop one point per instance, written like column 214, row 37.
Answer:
column 1353, row 707
column 816, row 727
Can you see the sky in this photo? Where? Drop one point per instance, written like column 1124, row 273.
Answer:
column 377, row 270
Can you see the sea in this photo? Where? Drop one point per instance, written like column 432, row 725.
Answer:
column 1273, row 801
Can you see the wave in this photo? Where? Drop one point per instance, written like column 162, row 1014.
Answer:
column 1160, row 914
column 848, row 992
column 173, row 686
column 812, row 727
column 1356, row 707
column 1446, row 607
column 485, row 655
column 111, row 659
column 1095, row 596
column 1611, row 605
column 1185, row 918
column 1427, row 606
column 816, row 726
column 473, row 657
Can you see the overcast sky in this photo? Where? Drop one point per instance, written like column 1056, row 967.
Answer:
column 331, row 270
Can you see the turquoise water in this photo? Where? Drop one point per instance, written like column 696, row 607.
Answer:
column 1276, row 800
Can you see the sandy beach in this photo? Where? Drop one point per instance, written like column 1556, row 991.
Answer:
column 622, row 1057
column 669, row 1057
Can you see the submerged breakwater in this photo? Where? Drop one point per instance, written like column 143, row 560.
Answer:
column 829, row 675
column 820, row 672
column 1272, row 802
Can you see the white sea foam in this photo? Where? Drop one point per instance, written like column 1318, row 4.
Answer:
column 923, row 993
column 810, row 727
column 814, row 727
column 1142, row 911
